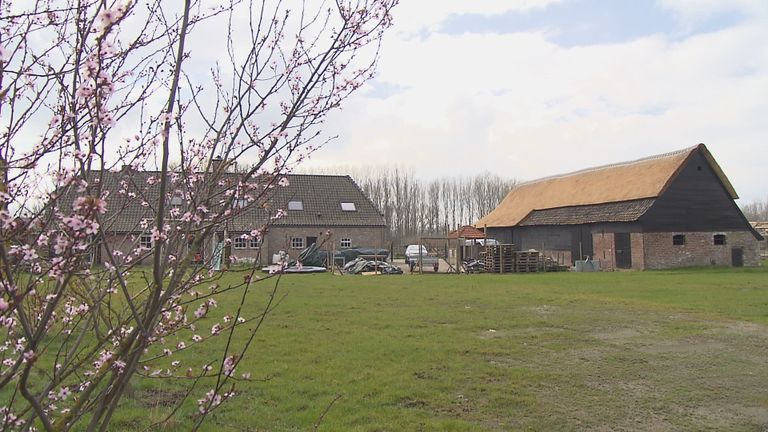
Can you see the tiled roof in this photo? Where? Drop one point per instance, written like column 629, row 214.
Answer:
column 467, row 232
column 321, row 196
column 626, row 211
column 627, row 181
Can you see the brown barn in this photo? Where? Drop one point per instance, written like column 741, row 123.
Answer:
column 669, row 210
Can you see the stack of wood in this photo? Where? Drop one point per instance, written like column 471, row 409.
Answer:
column 527, row 261
column 499, row 258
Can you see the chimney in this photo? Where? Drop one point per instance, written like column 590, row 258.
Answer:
column 216, row 163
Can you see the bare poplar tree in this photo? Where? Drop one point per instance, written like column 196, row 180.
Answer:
column 757, row 210
column 90, row 86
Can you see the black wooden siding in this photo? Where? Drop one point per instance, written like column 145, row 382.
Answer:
column 695, row 201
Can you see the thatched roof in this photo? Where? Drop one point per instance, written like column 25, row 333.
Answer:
column 640, row 179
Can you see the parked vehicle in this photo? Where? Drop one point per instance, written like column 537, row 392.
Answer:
column 418, row 254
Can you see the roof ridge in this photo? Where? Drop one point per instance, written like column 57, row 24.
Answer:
column 611, row 165
column 316, row 175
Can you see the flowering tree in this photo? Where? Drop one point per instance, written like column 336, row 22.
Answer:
column 98, row 100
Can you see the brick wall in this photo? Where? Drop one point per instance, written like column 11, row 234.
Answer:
column 279, row 238
column 638, row 250
column 698, row 250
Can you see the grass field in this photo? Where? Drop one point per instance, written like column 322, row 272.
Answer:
column 676, row 350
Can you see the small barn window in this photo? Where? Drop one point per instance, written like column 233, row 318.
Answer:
column 255, row 243
column 718, row 239
column 295, row 205
column 678, row 239
column 346, row 242
column 348, row 206
column 297, row 242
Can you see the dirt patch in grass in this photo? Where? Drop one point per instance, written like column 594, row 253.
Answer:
column 153, row 398
column 656, row 372
column 408, row 402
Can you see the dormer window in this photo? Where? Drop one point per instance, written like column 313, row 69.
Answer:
column 241, row 203
column 348, row 207
column 295, row 205
column 176, row 201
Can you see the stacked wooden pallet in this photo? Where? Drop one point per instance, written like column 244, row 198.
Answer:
column 499, row 258
column 527, row 261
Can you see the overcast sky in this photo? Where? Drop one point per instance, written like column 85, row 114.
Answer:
column 531, row 88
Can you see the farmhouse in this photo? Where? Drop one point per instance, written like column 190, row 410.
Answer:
column 669, row 210
column 325, row 209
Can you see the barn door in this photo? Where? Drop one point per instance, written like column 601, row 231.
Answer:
column 737, row 257
column 623, row 248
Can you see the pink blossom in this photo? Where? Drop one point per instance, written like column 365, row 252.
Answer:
column 84, row 91
column 3, row 305
column 3, row 54
column 197, row 338
column 64, row 393
column 29, row 253
column 108, row 17
column 229, row 365
column 279, row 214
column 216, row 329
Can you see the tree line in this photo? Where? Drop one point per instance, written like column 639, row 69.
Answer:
column 757, row 210
column 414, row 207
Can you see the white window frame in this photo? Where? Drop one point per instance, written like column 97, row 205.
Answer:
column 348, row 206
column 297, row 243
column 254, row 243
column 295, row 205
column 145, row 241
column 345, row 242
column 239, row 243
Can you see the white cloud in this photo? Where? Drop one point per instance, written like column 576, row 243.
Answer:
column 698, row 10
column 413, row 16
column 521, row 106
